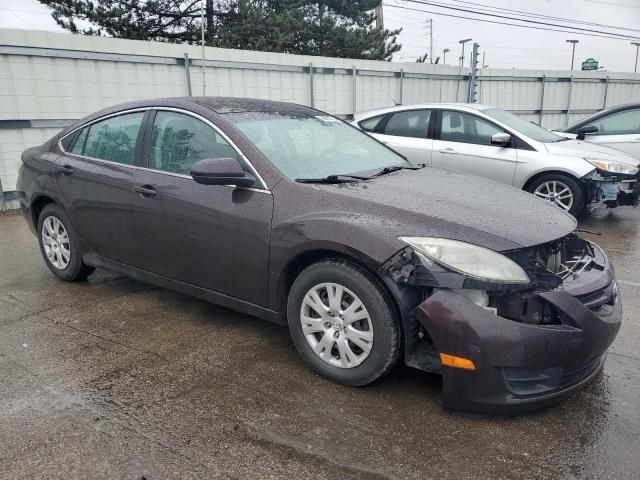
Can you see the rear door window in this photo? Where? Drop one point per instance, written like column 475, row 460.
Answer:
column 414, row 123
column 179, row 141
column 113, row 139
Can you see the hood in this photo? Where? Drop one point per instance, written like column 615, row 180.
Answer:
column 580, row 148
column 446, row 204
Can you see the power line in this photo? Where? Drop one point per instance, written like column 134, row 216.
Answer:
column 466, row 10
column 610, row 36
column 612, row 3
column 491, row 8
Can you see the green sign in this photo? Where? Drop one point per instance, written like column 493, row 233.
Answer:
column 590, row 64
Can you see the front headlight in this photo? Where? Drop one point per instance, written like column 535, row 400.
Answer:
column 471, row 260
column 613, row 167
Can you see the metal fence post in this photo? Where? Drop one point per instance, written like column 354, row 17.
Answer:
column 606, row 92
column 355, row 90
column 544, row 80
column 311, row 84
column 3, row 204
column 187, row 73
column 402, row 86
column 569, row 100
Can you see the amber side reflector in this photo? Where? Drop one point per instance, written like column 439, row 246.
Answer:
column 457, row 362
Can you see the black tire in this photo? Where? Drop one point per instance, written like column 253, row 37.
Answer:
column 385, row 345
column 579, row 202
column 75, row 270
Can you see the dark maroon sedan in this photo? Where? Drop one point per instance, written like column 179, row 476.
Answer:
column 291, row 215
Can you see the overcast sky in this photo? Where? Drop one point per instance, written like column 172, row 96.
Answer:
column 508, row 47
column 505, row 46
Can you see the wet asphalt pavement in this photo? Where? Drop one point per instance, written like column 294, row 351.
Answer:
column 112, row 378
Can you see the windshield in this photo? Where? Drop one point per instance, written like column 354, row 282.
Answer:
column 305, row 146
column 531, row 130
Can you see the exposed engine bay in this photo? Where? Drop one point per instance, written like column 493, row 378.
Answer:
column 551, row 266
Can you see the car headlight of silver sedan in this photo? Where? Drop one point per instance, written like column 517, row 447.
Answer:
column 472, row 261
column 612, row 167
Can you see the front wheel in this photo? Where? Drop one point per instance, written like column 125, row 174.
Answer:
column 560, row 190
column 343, row 323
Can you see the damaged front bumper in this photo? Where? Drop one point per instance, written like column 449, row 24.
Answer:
column 529, row 348
column 614, row 189
column 518, row 366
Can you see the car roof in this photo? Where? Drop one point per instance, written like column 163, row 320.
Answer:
column 417, row 106
column 220, row 105
column 217, row 105
column 603, row 113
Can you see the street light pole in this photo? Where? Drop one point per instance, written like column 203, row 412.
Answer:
column 444, row 55
column 573, row 50
column 462, row 42
column 637, row 45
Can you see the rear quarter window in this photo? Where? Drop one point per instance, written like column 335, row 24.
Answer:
column 370, row 124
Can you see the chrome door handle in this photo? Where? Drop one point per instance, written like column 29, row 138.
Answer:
column 450, row 151
column 145, row 191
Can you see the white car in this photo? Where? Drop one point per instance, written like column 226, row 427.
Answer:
column 617, row 127
column 496, row 144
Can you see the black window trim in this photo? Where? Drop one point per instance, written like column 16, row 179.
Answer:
column 145, row 138
column 517, row 143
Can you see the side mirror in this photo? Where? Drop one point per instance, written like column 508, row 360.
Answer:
column 221, row 171
column 501, row 139
column 584, row 131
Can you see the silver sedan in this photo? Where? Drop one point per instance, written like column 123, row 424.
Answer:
column 496, row 144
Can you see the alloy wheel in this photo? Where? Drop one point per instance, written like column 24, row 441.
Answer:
column 337, row 325
column 55, row 240
column 557, row 193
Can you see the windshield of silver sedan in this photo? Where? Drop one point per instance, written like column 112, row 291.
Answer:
column 314, row 146
column 525, row 127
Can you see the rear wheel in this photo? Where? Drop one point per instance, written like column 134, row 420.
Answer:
column 560, row 190
column 343, row 323
column 59, row 245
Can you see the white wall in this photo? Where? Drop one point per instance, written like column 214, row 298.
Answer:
column 39, row 82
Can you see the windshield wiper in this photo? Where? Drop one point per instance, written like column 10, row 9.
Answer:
column 562, row 139
column 333, row 179
column 395, row 168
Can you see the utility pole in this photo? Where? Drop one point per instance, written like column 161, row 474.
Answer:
column 462, row 42
column 444, row 55
column 430, row 27
column 473, row 74
column 637, row 45
column 573, row 50
column 379, row 17
column 204, row 81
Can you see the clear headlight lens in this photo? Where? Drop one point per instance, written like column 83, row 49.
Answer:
column 612, row 167
column 471, row 260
